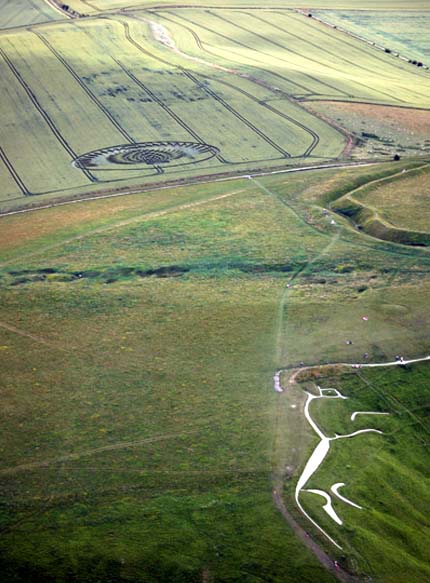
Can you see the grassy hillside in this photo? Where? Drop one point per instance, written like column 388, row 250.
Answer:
column 138, row 432
column 387, row 475
column 391, row 211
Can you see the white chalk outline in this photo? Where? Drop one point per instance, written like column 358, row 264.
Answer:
column 335, row 489
column 318, row 456
column 354, row 415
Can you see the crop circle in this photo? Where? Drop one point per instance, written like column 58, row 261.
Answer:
column 147, row 154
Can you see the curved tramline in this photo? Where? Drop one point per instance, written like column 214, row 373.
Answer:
column 155, row 154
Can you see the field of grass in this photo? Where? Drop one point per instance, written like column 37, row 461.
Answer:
column 404, row 33
column 387, row 475
column 25, row 12
column 406, row 205
column 391, row 211
column 138, row 432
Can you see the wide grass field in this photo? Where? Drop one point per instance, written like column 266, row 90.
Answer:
column 139, row 337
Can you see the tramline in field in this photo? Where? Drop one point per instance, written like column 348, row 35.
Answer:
column 233, row 81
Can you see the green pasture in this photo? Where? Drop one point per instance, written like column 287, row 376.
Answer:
column 387, row 475
column 141, row 429
column 390, row 208
column 403, row 32
column 403, row 205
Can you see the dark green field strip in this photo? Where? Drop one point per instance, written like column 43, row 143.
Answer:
column 90, row 94
column 15, row 176
column 44, row 114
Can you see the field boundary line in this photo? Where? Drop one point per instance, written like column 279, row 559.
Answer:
column 128, row 191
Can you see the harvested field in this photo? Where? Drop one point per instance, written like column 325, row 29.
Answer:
column 378, row 129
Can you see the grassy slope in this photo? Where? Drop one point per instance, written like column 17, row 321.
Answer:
column 387, row 475
column 184, row 363
column 145, row 404
column 365, row 206
column 405, row 204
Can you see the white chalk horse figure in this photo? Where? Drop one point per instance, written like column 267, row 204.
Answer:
column 318, row 456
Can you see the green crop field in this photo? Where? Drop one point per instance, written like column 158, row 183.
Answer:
column 91, row 6
column 24, row 12
column 213, row 217
column 171, row 93
column 404, row 32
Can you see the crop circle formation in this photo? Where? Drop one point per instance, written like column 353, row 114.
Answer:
column 146, row 153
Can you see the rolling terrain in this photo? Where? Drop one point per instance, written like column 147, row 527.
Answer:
column 214, row 283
